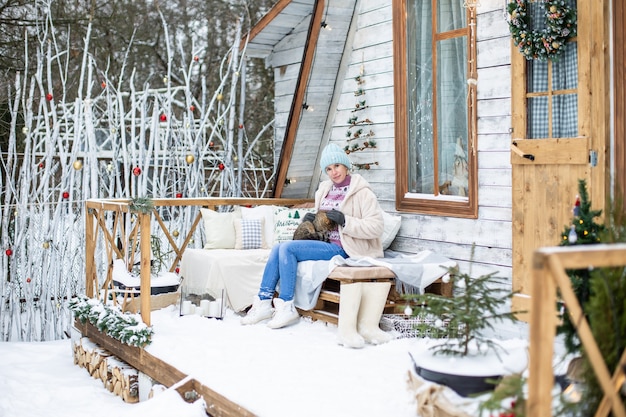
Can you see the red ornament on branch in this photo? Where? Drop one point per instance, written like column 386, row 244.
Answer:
column 179, row 195
column 136, row 171
column 177, row 270
column 49, row 97
column 221, row 166
column 196, row 58
column 8, row 252
column 241, row 126
column 66, row 195
column 28, row 280
column 103, row 85
column 192, row 108
column 163, row 118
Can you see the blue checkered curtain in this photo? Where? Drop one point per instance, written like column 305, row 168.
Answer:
column 564, row 76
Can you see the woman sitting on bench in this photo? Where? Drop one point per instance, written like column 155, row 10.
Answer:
column 350, row 203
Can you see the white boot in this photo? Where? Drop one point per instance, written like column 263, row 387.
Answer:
column 261, row 310
column 284, row 314
column 350, row 300
column 373, row 300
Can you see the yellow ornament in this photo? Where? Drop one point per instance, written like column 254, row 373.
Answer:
column 78, row 165
column 555, row 45
column 220, row 97
column 45, row 245
column 175, row 233
column 552, row 9
column 190, row 158
column 24, row 130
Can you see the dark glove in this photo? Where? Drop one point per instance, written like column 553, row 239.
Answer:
column 337, row 217
column 309, row 217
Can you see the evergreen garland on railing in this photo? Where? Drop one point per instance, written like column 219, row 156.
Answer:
column 141, row 205
column 111, row 321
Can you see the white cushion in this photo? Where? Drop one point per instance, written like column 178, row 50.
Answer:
column 265, row 212
column 286, row 221
column 391, row 226
column 219, row 228
column 249, row 234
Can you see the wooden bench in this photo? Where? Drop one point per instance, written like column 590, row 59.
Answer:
column 327, row 307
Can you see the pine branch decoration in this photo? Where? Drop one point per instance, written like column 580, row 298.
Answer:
column 110, row 320
column 142, row 205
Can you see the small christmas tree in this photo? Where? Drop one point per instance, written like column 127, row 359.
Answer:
column 606, row 309
column 477, row 304
column 583, row 231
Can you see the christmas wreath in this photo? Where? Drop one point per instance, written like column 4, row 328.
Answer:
column 546, row 43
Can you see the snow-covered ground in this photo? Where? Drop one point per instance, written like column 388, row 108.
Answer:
column 299, row 370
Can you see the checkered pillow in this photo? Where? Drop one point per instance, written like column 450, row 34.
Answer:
column 249, row 234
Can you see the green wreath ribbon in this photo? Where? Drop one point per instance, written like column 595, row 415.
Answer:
column 549, row 42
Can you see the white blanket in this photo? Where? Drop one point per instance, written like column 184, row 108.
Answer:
column 413, row 273
column 239, row 273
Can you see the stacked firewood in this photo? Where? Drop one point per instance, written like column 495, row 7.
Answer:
column 117, row 376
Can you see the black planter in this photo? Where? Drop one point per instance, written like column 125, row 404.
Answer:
column 463, row 385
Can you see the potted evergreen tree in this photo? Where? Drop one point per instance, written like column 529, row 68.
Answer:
column 474, row 359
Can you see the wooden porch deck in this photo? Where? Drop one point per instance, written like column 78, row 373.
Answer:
column 240, row 371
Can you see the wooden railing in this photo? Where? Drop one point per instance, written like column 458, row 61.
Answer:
column 113, row 217
column 549, row 265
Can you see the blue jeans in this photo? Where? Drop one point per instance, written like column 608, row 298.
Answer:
column 282, row 264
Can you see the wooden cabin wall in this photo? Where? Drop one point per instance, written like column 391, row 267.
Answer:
column 286, row 59
column 452, row 237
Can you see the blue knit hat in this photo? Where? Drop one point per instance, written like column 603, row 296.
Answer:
column 333, row 154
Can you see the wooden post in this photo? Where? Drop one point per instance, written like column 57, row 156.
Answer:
column 542, row 333
column 586, row 336
column 90, row 249
column 145, row 250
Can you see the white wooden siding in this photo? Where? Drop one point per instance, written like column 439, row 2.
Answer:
column 453, row 237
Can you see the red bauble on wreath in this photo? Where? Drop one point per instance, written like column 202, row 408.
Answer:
column 8, row 252
column 163, row 118
column 136, row 171
column 49, row 97
column 179, row 195
column 221, row 167
column 66, row 195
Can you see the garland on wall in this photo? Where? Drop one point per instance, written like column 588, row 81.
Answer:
column 548, row 42
column 359, row 134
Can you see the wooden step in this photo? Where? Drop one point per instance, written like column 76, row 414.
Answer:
column 322, row 315
column 331, row 296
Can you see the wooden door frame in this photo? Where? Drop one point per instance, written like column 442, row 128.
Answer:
column 594, row 125
column 619, row 98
